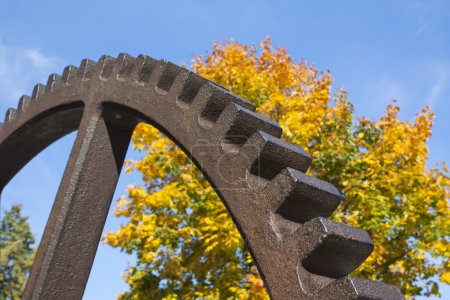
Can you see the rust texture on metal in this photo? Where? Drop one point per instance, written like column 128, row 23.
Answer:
column 281, row 212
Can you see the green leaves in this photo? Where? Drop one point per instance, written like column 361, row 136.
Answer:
column 16, row 254
column 192, row 247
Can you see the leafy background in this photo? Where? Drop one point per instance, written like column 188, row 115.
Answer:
column 377, row 51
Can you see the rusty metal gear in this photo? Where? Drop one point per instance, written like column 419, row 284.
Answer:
column 280, row 211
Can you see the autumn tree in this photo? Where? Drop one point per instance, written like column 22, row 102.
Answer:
column 16, row 253
column 175, row 220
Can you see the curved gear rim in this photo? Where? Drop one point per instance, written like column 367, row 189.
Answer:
column 279, row 210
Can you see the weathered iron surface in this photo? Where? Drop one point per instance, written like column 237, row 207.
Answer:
column 280, row 211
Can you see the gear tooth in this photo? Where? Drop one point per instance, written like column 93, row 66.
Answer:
column 124, row 65
column 164, row 75
column 212, row 100
column 360, row 289
column 188, row 87
column 290, row 217
column 238, row 100
column 178, row 85
column 86, row 69
column 270, row 155
column 144, row 66
column 226, row 89
column 184, row 86
column 236, row 124
column 374, row 290
column 299, row 198
column 333, row 249
column 38, row 92
column 10, row 115
column 69, row 73
column 216, row 99
column 105, row 66
column 24, row 101
column 53, row 82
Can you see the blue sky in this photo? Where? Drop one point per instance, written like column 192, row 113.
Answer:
column 377, row 50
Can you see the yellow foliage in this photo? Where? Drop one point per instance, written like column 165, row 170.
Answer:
column 187, row 246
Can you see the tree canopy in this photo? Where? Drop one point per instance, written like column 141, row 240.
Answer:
column 188, row 247
column 16, row 253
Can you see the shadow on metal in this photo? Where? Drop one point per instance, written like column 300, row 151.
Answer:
column 279, row 210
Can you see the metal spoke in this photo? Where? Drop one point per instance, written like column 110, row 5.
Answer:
column 67, row 250
column 280, row 211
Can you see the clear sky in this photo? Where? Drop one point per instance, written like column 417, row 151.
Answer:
column 377, row 50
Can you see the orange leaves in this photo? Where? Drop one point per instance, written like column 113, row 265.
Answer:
column 181, row 232
column 391, row 193
column 380, row 165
